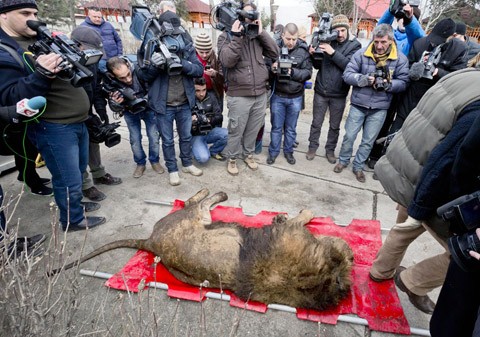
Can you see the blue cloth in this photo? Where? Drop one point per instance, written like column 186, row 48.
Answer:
column 217, row 137
column 112, row 44
column 405, row 39
column 64, row 147
column 134, row 124
column 182, row 115
column 283, row 116
column 371, row 120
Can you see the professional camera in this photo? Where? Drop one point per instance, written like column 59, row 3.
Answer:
column 131, row 102
column 463, row 214
column 285, row 64
column 380, row 75
column 201, row 126
column 323, row 34
column 396, row 8
column 157, row 38
column 74, row 61
column 431, row 62
column 227, row 12
column 100, row 132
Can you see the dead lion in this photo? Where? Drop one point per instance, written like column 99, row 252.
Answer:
column 282, row 263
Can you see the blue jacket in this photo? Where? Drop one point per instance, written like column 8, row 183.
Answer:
column 404, row 40
column 112, row 44
column 363, row 63
column 158, row 80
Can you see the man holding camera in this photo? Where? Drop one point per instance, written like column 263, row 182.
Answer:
column 330, row 89
column 290, row 72
column 123, row 74
column 60, row 135
column 207, row 128
column 172, row 94
column 242, row 57
column 376, row 73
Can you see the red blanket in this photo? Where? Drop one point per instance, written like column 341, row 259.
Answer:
column 378, row 303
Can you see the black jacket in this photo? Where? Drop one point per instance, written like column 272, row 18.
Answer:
column 329, row 81
column 212, row 109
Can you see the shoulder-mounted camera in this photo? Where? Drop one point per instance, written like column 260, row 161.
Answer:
column 99, row 132
column 396, row 7
column 227, row 12
column 323, row 34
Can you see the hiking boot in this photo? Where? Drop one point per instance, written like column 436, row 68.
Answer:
column 87, row 223
column 271, row 159
column 139, row 171
column 290, row 158
column 359, row 175
column 331, row 158
column 338, row 168
column 251, row 163
column 219, row 157
column 107, row 179
column 193, row 170
column 93, row 194
column 90, row 206
column 232, row 167
column 158, row 168
column 174, row 178
column 310, row 154
column 422, row 303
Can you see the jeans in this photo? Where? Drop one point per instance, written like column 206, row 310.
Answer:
column 182, row 115
column 217, row 137
column 134, row 125
column 336, row 106
column 64, row 147
column 371, row 121
column 283, row 116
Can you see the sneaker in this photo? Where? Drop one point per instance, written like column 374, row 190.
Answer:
column 271, row 159
column 232, row 167
column 219, row 157
column 86, row 223
column 158, row 168
column 330, row 158
column 290, row 158
column 139, row 171
column 310, row 154
column 107, row 179
column 42, row 190
column 90, row 206
column 193, row 170
column 174, row 179
column 93, row 194
column 251, row 163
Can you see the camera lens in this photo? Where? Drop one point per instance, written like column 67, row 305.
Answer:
column 460, row 245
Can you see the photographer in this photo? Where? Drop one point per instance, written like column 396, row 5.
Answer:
column 290, row 73
column 207, row 125
column 61, row 134
column 246, row 77
column 121, row 73
column 375, row 73
column 330, row 89
column 172, row 97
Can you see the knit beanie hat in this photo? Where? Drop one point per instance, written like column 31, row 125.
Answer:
column 340, row 20
column 203, row 42
column 442, row 31
column 10, row 5
column 460, row 28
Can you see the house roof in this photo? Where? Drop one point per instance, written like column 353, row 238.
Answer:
column 123, row 5
column 368, row 9
column 197, row 6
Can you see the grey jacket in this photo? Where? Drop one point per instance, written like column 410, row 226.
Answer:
column 400, row 168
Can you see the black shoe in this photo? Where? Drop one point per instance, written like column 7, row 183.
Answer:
column 107, row 179
column 271, row 159
column 90, row 206
column 28, row 245
column 295, row 144
column 371, row 163
column 331, row 158
column 87, row 223
column 290, row 159
column 42, row 190
column 93, row 194
column 42, row 181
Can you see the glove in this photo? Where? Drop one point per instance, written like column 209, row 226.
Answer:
column 408, row 225
column 157, row 59
column 416, row 71
column 362, row 81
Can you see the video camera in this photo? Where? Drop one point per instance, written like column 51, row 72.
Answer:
column 285, row 63
column 380, row 74
column 431, row 62
column 463, row 214
column 147, row 28
column 323, row 34
column 396, row 7
column 201, row 126
column 74, row 61
column 227, row 12
column 100, row 132
column 131, row 102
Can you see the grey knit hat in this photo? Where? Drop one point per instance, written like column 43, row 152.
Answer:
column 203, row 42
column 11, row 5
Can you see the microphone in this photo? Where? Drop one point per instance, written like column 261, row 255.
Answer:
column 30, row 107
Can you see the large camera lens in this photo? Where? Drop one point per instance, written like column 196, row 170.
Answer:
column 460, row 245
